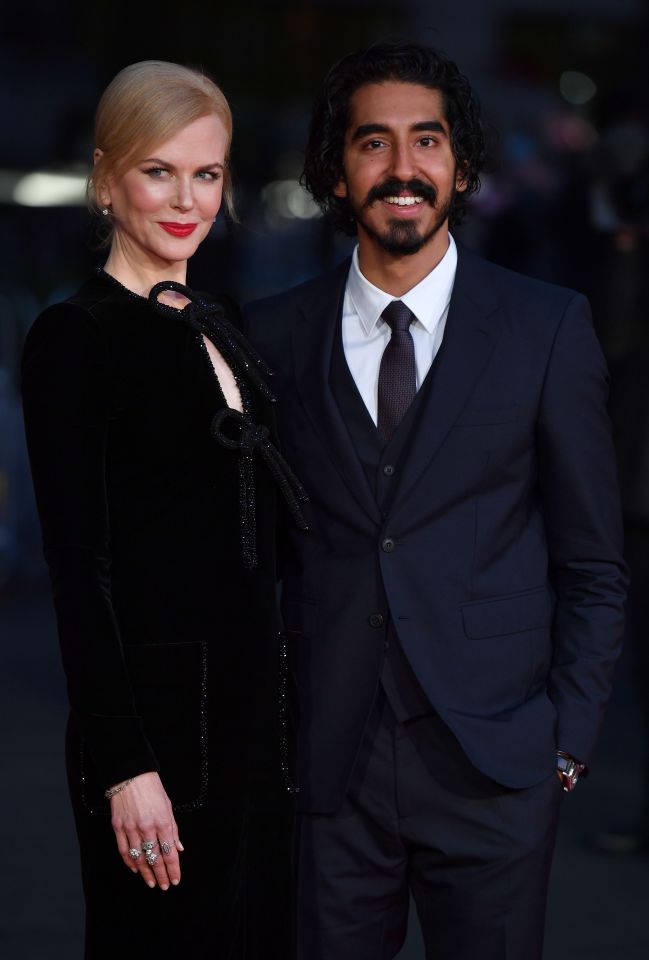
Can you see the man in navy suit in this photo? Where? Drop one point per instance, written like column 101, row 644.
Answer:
column 456, row 609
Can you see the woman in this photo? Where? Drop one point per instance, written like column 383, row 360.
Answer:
column 147, row 421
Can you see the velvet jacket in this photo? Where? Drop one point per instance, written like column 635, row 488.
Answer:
column 169, row 644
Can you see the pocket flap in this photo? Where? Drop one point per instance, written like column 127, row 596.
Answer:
column 511, row 614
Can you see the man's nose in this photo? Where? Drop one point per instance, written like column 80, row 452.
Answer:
column 402, row 162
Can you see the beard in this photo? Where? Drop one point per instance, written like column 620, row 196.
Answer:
column 403, row 237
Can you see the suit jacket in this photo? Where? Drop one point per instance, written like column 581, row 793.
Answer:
column 498, row 557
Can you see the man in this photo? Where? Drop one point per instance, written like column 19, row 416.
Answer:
column 455, row 610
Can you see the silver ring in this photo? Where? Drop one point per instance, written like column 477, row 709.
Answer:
column 148, row 845
column 134, row 853
column 151, row 857
column 166, row 847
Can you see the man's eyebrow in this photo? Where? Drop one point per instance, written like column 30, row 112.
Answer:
column 435, row 125
column 365, row 129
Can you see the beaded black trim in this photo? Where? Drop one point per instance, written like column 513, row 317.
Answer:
column 289, row 784
column 200, row 799
column 248, row 438
column 210, row 320
column 231, row 428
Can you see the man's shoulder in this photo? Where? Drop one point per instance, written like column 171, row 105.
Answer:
column 512, row 287
column 285, row 306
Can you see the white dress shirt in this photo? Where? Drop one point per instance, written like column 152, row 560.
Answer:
column 366, row 335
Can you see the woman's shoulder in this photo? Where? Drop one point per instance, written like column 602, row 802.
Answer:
column 70, row 328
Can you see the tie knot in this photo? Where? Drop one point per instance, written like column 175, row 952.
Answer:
column 398, row 316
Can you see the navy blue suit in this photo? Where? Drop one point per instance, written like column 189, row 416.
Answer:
column 490, row 550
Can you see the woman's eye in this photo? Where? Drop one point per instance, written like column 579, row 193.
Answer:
column 209, row 175
column 156, row 172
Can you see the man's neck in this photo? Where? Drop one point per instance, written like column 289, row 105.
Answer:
column 398, row 273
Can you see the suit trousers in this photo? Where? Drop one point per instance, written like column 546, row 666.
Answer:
column 419, row 818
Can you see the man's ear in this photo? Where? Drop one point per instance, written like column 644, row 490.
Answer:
column 460, row 180
column 340, row 190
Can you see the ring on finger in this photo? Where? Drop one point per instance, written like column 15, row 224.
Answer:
column 149, row 845
column 135, row 853
column 166, row 847
column 151, row 857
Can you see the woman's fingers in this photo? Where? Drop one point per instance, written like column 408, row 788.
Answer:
column 167, row 865
column 141, row 866
column 124, row 848
column 146, row 831
column 176, row 838
column 170, row 856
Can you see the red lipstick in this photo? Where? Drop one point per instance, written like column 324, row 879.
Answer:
column 178, row 229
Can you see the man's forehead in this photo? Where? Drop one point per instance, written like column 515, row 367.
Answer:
column 394, row 102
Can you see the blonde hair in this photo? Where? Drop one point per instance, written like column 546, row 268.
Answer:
column 146, row 104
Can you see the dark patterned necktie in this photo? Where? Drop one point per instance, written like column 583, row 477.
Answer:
column 398, row 371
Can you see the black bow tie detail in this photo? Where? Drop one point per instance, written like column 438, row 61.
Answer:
column 231, row 428
column 236, row 431
column 210, row 320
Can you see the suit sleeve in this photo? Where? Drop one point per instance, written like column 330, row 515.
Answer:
column 579, row 490
column 65, row 403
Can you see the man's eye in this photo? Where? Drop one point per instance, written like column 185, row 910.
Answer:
column 374, row 144
column 428, row 141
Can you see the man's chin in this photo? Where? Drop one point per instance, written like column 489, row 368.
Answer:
column 403, row 239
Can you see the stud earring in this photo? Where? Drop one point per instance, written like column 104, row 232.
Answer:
column 104, row 210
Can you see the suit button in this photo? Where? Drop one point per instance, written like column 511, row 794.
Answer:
column 388, row 470
column 375, row 619
column 388, row 545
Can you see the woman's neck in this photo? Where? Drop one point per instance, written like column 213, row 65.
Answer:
column 140, row 276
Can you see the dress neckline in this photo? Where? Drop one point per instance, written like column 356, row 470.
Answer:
column 104, row 275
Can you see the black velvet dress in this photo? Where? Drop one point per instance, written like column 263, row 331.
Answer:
column 170, row 641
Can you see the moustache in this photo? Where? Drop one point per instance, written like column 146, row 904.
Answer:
column 393, row 187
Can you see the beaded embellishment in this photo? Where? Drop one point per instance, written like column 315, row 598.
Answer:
column 231, row 428
column 283, row 717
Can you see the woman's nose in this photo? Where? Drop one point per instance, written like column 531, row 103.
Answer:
column 184, row 197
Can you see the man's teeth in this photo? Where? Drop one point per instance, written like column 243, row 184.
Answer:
column 404, row 201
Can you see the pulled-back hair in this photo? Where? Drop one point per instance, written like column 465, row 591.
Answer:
column 404, row 63
column 146, row 104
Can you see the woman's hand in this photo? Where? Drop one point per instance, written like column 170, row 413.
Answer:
column 142, row 812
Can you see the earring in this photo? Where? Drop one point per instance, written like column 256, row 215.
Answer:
column 104, row 210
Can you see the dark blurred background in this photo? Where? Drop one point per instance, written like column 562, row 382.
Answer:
column 565, row 89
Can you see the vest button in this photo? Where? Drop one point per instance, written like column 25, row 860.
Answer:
column 375, row 619
column 388, row 470
column 388, row 545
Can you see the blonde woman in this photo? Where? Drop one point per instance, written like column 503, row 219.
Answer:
column 150, row 437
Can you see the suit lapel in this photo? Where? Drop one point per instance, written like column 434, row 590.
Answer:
column 312, row 350
column 470, row 336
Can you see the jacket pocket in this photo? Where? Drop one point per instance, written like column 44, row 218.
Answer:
column 169, row 683
column 516, row 613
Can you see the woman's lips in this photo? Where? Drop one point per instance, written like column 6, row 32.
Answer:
column 178, row 229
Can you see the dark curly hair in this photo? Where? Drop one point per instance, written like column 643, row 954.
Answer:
column 406, row 63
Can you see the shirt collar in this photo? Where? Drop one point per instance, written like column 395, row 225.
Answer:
column 428, row 299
